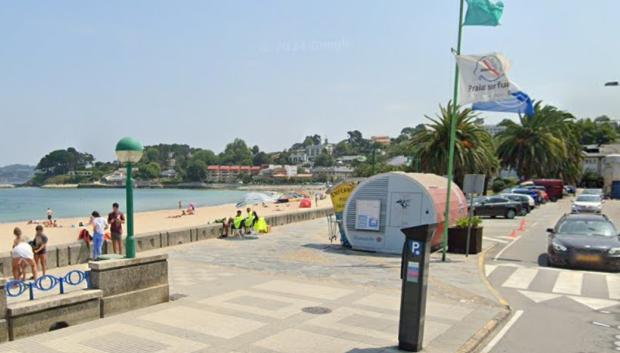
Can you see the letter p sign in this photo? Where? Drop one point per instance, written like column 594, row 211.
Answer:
column 416, row 248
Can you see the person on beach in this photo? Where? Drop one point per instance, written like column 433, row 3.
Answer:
column 50, row 214
column 99, row 227
column 233, row 224
column 22, row 256
column 249, row 220
column 40, row 249
column 116, row 220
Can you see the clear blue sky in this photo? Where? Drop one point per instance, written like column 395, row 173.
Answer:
column 85, row 73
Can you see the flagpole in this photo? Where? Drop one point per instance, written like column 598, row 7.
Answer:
column 452, row 138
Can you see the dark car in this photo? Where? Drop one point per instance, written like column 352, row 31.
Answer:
column 497, row 206
column 584, row 240
column 524, row 200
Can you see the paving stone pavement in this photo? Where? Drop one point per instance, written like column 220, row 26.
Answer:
column 288, row 291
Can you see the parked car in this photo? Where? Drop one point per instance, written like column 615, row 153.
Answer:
column 587, row 203
column 497, row 206
column 584, row 240
column 543, row 196
column 598, row 192
column 553, row 187
column 527, row 202
column 533, row 193
column 570, row 189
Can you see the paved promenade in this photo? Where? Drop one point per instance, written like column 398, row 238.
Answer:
column 288, row 291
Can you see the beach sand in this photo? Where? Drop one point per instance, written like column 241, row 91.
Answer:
column 146, row 222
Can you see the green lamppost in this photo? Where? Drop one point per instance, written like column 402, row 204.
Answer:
column 129, row 151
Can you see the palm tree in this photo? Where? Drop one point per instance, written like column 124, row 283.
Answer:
column 543, row 145
column 474, row 150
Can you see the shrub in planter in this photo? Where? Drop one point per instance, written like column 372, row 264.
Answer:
column 457, row 236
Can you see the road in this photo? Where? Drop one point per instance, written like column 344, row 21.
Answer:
column 554, row 310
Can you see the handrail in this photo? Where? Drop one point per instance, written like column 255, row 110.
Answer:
column 16, row 288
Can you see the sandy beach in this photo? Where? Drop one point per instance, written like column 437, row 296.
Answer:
column 146, row 222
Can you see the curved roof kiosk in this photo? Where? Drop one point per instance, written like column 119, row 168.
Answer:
column 382, row 205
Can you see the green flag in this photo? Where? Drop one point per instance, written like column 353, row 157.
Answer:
column 483, row 12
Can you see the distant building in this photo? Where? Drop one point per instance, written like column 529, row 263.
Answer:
column 169, row 173
column 381, row 140
column 281, row 172
column 117, row 177
column 399, row 161
column 347, row 160
column 309, row 153
column 229, row 173
column 494, row 129
column 80, row 173
column 333, row 173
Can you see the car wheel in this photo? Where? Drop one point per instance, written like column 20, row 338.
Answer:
column 510, row 214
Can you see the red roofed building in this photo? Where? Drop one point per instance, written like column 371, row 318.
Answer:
column 229, row 173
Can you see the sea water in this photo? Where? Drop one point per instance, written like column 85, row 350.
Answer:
column 23, row 204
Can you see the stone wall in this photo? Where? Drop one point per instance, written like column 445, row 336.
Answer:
column 115, row 286
column 41, row 315
column 129, row 284
column 77, row 252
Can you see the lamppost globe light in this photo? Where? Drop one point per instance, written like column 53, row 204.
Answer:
column 129, row 150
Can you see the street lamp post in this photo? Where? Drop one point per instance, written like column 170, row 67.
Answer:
column 129, row 151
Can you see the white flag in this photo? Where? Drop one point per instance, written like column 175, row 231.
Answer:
column 483, row 78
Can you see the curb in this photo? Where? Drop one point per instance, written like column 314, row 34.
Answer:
column 483, row 278
column 473, row 343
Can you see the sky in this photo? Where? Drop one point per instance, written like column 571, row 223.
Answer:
column 84, row 74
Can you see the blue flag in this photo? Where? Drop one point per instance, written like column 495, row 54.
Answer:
column 519, row 103
column 483, row 13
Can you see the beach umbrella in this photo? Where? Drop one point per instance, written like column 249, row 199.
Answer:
column 252, row 198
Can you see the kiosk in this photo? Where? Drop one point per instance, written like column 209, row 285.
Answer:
column 379, row 207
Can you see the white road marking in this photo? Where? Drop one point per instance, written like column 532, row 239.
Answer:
column 521, row 278
column 488, row 269
column 594, row 303
column 539, row 297
column 505, row 248
column 613, row 286
column 497, row 240
column 502, row 332
column 568, row 282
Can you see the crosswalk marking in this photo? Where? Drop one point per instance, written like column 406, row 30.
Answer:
column 521, row 278
column 568, row 282
column 488, row 269
column 613, row 286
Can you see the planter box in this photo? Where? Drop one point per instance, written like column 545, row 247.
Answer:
column 457, row 240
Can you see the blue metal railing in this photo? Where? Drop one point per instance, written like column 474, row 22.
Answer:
column 16, row 288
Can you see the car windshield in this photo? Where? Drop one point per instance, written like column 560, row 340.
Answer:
column 588, row 198
column 587, row 227
column 592, row 192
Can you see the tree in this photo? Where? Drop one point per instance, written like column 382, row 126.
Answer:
column 60, row 162
column 196, row 170
column 282, row 158
column 312, row 140
column 151, row 154
column 149, row 171
column 599, row 131
column 324, row 159
column 544, row 145
column 206, row 156
column 236, row 153
column 474, row 150
column 261, row 158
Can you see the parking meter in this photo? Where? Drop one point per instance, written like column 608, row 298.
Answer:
column 414, row 274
